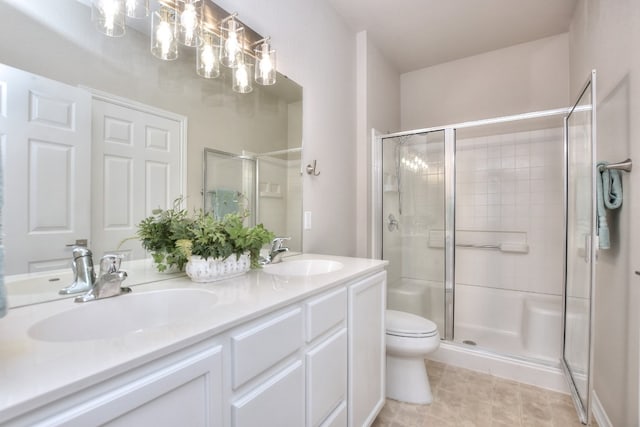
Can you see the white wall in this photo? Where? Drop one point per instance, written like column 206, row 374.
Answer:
column 527, row 77
column 378, row 107
column 605, row 35
column 317, row 50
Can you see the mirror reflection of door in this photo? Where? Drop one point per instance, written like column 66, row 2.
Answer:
column 45, row 131
column 136, row 168
column 579, row 246
column 80, row 170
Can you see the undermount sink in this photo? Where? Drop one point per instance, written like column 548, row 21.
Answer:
column 303, row 267
column 121, row 315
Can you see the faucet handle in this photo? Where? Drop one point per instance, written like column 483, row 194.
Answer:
column 276, row 243
column 110, row 263
column 80, row 251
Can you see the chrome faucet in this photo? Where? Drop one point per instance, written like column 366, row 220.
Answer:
column 109, row 281
column 83, row 275
column 277, row 250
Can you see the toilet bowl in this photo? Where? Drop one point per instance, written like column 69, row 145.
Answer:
column 409, row 339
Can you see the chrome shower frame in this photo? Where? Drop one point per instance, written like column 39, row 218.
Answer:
column 375, row 250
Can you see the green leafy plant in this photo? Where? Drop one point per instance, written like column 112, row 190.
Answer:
column 208, row 237
column 173, row 235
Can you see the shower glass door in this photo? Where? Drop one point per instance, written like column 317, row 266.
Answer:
column 413, row 223
column 580, row 252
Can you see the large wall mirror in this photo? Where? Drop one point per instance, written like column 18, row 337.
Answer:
column 102, row 86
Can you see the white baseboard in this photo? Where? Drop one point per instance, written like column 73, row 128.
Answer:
column 598, row 412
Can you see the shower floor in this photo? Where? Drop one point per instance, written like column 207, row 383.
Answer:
column 497, row 341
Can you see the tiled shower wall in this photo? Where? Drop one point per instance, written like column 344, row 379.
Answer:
column 512, row 183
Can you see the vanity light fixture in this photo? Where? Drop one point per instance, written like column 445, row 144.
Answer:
column 189, row 22
column 108, row 16
column 219, row 37
column 163, row 34
column 208, row 56
column 137, row 9
column 265, row 63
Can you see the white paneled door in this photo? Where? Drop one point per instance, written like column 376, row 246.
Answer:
column 45, row 132
column 137, row 157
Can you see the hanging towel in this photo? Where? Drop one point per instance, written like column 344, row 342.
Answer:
column 608, row 196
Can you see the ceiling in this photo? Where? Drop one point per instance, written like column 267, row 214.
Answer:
column 414, row 34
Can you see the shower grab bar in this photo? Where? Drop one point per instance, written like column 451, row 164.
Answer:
column 471, row 245
column 625, row 165
column 521, row 248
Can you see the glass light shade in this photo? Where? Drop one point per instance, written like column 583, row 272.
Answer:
column 189, row 22
column 108, row 17
column 242, row 78
column 137, row 9
column 265, row 69
column 233, row 36
column 208, row 56
column 164, row 43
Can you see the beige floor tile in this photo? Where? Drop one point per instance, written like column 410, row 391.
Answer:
column 464, row 398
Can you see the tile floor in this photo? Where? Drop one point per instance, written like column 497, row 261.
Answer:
column 468, row 398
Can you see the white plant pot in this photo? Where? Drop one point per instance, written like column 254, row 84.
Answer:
column 211, row 269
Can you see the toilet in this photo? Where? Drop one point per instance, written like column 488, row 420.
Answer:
column 409, row 339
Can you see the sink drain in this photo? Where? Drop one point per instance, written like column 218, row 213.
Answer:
column 469, row 342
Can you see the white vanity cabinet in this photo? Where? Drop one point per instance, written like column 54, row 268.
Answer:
column 316, row 361
column 335, row 375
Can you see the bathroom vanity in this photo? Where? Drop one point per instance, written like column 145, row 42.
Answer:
column 295, row 344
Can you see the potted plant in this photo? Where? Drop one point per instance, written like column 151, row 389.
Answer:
column 219, row 248
column 207, row 248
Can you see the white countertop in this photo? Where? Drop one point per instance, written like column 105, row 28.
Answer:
column 35, row 372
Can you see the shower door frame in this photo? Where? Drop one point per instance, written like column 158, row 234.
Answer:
column 450, row 197
column 584, row 410
column 449, row 215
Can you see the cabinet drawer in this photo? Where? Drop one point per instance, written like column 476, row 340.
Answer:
column 325, row 312
column 279, row 402
column 265, row 343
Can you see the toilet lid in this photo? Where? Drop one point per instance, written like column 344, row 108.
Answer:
column 404, row 324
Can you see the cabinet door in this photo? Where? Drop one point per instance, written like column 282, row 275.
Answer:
column 186, row 393
column 366, row 349
column 278, row 402
column 326, row 377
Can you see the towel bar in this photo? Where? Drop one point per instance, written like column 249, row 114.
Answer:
column 622, row 166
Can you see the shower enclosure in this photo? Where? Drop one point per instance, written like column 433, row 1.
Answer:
column 478, row 208
column 472, row 218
